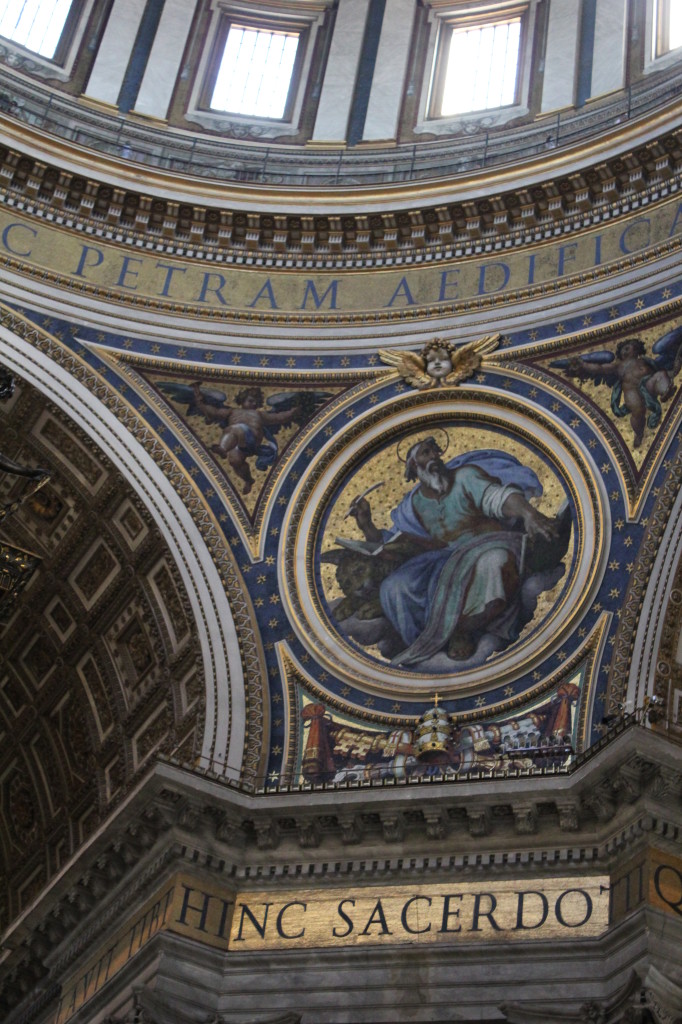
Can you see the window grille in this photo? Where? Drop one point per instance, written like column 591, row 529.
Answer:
column 256, row 72
column 479, row 67
column 35, row 24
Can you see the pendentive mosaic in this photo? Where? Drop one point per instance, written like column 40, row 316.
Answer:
column 432, row 543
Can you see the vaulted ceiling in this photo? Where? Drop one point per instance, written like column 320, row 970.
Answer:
column 99, row 664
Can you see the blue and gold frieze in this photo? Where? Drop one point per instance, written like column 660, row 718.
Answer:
column 429, row 285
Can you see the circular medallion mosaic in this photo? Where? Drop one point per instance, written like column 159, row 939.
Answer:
column 441, row 545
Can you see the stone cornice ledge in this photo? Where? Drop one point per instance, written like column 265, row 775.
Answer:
column 599, row 192
column 177, row 819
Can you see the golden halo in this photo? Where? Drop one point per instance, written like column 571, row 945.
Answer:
column 405, row 443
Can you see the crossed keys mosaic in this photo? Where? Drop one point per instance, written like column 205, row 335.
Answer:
column 339, row 749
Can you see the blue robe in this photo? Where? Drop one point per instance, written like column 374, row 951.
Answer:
column 425, row 598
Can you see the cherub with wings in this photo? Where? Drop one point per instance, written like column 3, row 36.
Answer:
column 247, row 429
column 439, row 362
column 638, row 382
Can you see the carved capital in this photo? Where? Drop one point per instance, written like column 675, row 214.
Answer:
column 54, row 929
column 188, row 818
column 309, row 834
column 525, row 819
column 158, row 818
column 227, row 830
column 600, row 801
column 111, row 865
column 351, row 829
column 40, row 944
column 267, row 835
column 435, row 826
column 569, row 816
column 393, row 827
column 141, row 835
column 667, row 783
column 479, row 821
column 82, row 898
column 628, row 783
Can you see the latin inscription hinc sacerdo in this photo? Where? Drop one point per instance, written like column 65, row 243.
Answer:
column 253, row 921
column 504, row 911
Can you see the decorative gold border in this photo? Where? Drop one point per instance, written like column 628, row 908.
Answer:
column 640, row 578
column 300, row 502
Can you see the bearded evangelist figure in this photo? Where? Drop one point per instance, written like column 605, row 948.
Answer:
column 460, row 572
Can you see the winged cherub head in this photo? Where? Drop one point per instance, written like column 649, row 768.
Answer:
column 437, row 357
column 440, row 363
column 630, row 348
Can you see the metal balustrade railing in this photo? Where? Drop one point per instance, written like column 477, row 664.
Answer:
column 501, row 770
column 471, row 148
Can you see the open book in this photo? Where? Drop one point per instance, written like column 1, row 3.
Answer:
column 366, row 547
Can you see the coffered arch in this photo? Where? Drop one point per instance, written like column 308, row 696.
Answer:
column 178, row 539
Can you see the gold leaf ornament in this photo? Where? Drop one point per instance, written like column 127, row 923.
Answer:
column 440, row 363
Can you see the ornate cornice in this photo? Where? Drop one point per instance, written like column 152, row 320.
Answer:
column 627, row 796
column 490, row 219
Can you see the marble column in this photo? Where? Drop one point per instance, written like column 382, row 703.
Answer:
column 338, row 86
column 165, row 59
column 390, row 69
column 114, row 52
